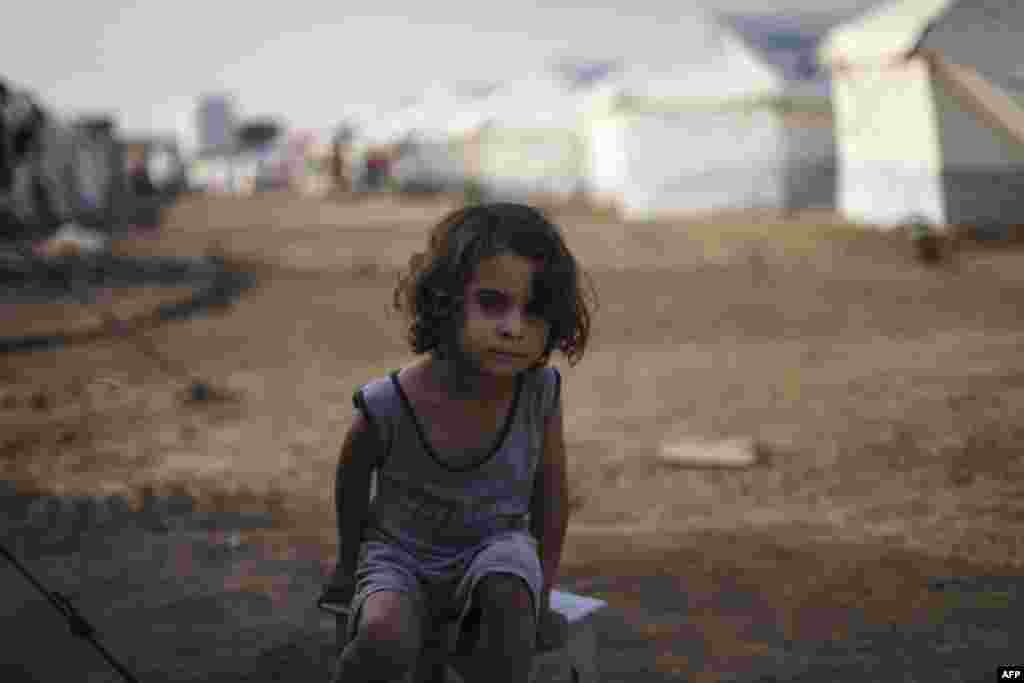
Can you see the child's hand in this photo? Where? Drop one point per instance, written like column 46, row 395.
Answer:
column 552, row 631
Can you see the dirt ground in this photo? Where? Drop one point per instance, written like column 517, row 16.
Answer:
column 883, row 395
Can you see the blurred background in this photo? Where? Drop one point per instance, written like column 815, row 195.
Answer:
column 318, row 97
column 645, row 107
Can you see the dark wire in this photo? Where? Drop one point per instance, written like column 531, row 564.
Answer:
column 78, row 625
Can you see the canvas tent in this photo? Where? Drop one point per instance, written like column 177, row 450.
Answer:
column 53, row 171
column 929, row 122
column 699, row 130
column 531, row 141
column 681, row 124
column 428, row 138
column 687, row 120
column 788, row 42
column 436, row 134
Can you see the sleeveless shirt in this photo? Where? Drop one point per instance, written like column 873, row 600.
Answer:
column 439, row 512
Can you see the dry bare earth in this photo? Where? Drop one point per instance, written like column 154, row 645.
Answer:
column 884, row 394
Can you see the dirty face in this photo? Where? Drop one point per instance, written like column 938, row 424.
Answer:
column 502, row 332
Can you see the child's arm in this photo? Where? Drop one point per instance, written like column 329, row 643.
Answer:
column 549, row 511
column 352, row 498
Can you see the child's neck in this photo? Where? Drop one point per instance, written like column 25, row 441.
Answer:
column 460, row 380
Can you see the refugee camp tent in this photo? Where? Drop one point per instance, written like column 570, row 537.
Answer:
column 102, row 179
column 435, row 134
column 929, row 122
column 154, row 166
column 165, row 165
column 696, row 131
column 96, row 175
column 531, row 141
column 428, row 137
column 42, row 184
column 375, row 134
column 788, row 42
column 54, row 172
column 22, row 207
column 218, row 173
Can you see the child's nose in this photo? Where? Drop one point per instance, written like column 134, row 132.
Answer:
column 511, row 323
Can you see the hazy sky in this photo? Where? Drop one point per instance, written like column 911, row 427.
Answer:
column 313, row 61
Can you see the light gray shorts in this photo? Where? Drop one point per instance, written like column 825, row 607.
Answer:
column 386, row 566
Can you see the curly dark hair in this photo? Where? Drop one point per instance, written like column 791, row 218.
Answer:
column 430, row 292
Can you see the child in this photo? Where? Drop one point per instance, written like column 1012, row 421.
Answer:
column 466, row 442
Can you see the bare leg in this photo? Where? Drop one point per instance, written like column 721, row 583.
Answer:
column 387, row 641
column 508, row 617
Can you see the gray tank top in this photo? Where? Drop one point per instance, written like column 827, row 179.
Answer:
column 437, row 511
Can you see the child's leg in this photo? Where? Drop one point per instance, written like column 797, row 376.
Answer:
column 504, row 579
column 508, row 615
column 387, row 640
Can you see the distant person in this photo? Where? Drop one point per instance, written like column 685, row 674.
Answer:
column 378, row 169
column 466, row 442
column 375, row 168
column 340, row 149
column 141, row 184
column 337, row 167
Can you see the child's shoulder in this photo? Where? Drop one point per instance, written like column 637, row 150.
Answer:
column 375, row 383
column 377, row 391
column 546, row 375
column 546, row 384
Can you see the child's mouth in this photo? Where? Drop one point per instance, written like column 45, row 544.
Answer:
column 509, row 356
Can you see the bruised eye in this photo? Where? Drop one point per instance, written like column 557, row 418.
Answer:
column 497, row 303
column 492, row 303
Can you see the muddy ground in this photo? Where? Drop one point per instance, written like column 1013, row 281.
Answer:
column 884, row 397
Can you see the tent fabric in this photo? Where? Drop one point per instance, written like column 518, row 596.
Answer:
column 617, row 127
column 985, row 35
column 810, row 173
column 516, row 163
column 703, row 134
column 432, row 165
column 788, row 43
column 889, row 161
column 431, row 133
column 888, row 31
column 531, row 140
column 982, row 133
column 923, row 136
column 607, row 134
column 981, row 96
column 668, row 170
column 55, row 172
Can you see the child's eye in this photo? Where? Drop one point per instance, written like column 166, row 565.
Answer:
column 495, row 303
column 492, row 302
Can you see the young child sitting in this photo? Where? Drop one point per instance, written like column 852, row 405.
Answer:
column 466, row 442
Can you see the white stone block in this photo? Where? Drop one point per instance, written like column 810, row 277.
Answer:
column 740, row 452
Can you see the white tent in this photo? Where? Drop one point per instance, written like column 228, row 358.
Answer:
column 687, row 124
column 697, row 131
column 926, row 127
column 429, row 135
column 435, row 132
column 382, row 128
column 531, row 140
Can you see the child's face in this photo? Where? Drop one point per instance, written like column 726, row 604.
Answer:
column 499, row 336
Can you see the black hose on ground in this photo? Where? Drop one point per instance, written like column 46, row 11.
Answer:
column 38, row 279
